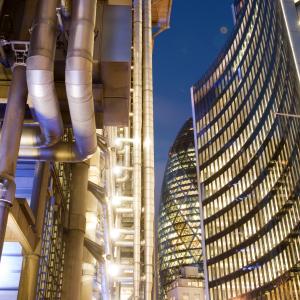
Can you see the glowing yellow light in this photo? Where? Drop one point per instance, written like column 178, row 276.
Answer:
column 115, row 234
column 117, row 170
column 116, row 201
column 113, row 270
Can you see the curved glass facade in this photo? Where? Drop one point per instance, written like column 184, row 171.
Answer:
column 248, row 160
column 179, row 237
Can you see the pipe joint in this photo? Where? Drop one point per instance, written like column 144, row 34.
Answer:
column 77, row 222
column 7, row 189
column 65, row 6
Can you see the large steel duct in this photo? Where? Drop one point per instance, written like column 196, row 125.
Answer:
column 148, row 148
column 78, row 78
column 40, row 77
column 61, row 151
column 137, row 148
column 79, row 65
column 10, row 143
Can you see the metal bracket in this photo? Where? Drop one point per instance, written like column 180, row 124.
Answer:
column 7, row 189
column 20, row 49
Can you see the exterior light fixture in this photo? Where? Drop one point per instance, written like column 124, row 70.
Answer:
column 116, row 201
column 117, row 170
column 115, row 234
column 147, row 142
column 114, row 270
column 118, row 142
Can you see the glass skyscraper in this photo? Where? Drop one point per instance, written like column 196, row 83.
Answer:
column 179, row 236
column 247, row 136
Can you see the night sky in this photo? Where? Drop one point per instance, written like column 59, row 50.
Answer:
column 182, row 54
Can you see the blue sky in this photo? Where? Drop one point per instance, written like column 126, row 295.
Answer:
column 182, row 54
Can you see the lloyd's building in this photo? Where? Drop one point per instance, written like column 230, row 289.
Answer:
column 246, row 111
column 76, row 148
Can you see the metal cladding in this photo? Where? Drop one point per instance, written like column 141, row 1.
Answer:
column 248, row 158
column 179, row 235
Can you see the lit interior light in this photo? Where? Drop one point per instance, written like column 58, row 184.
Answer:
column 116, row 201
column 117, row 170
column 113, row 270
column 115, row 234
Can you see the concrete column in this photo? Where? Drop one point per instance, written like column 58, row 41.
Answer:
column 30, row 268
column 75, row 234
column 28, row 282
column 10, row 143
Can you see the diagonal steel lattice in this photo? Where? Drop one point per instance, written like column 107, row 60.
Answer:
column 179, row 234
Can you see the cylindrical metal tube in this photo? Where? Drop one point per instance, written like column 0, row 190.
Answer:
column 10, row 143
column 148, row 148
column 75, row 233
column 94, row 176
column 78, row 75
column 40, row 76
column 137, row 147
column 64, row 152
column 31, row 148
column 13, row 122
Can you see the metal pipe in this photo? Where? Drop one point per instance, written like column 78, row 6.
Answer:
column 148, row 148
column 137, row 148
column 124, row 210
column 105, row 277
column 110, row 190
column 126, row 161
column 126, row 231
column 78, row 75
column 94, row 176
column 40, row 78
column 10, row 143
column 75, row 233
column 125, row 279
column 124, row 243
column 64, row 152
column 78, row 84
column 61, row 151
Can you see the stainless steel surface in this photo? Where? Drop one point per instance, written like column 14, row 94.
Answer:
column 40, row 78
column 78, row 75
column 137, row 147
column 148, row 149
